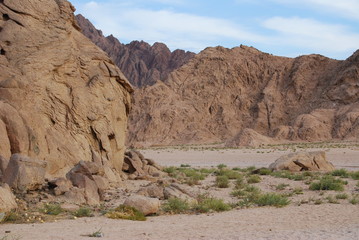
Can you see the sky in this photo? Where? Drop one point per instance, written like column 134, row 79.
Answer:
column 281, row 27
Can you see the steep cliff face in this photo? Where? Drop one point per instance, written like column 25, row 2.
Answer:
column 141, row 63
column 62, row 99
column 222, row 93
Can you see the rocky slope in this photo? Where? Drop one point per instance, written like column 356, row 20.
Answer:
column 242, row 96
column 140, row 62
column 62, row 99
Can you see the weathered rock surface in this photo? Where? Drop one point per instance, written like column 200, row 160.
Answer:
column 138, row 167
column 222, row 92
column 24, row 173
column 140, row 62
column 7, row 199
column 144, row 204
column 303, row 161
column 62, row 99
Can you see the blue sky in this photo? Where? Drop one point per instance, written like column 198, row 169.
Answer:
column 281, row 27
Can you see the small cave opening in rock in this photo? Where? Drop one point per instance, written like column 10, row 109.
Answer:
column 5, row 17
column 2, row 52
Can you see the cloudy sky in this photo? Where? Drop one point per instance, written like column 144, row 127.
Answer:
column 281, row 27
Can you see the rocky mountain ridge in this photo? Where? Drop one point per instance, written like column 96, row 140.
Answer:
column 242, row 96
column 140, row 62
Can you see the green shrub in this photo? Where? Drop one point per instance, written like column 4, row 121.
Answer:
column 52, row 209
column 355, row 199
column 83, row 212
column 332, row 200
column 170, row 170
column 176, row 206
column 340, row 173
column 126, row 212
column 185, row 166
column 328, row 183
column 253, row 179
column 264, row 171
column 222, row 182
column 221, row 166
column 298, row 191
column 229, row 173
column 239, row 183
column 281, row 186
column 341, row 196
column 355, row 175
column 214, row 204
column 272, row 199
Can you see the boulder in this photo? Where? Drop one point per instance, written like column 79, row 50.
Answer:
column 303, row 161
column 3, row 165
column 152, row 190
column 24, row 173
column 60, row 186
column 7, row 199
column 144, row 204
column 178, row 191
column 75, row 196
column 82, row 181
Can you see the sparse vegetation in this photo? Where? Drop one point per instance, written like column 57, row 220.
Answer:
column 272, row 199
column 254, row 179
column 211, row 204
column 97, row 234
column 52, row 209
column 341, row 196
column 340, row 173
column 83, row 212
column 327, row 182
column 222, row 181
column 281, row 186
column 126, row 212
column 176, row 206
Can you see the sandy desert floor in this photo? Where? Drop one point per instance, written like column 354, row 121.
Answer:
column 309, row 221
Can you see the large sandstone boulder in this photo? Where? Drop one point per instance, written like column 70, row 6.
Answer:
column 303, row 161
column 24, row 173
column 62, row 99
column 144, row 204
column 7, row 199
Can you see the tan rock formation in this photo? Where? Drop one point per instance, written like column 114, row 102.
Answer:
column 7, row 199
column 222, row 92
column 62, row 99
column 146, row 205
column 303, row 161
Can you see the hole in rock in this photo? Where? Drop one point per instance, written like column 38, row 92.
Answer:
column 5, row 17
column 2, row 52
column 1, row 29
column 8, row 43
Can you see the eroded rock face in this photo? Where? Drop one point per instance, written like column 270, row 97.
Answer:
column 141, row 63
column 303, row 161
column 62, row 99
column 221, row 93
column 7, row 199
column 144, row 204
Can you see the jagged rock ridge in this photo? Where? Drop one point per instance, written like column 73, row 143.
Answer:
column 242, row 96
column 62, row 100
column 141, row 63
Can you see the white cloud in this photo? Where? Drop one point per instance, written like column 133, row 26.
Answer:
column 343, row 8
column 178, row 30
column 311, row 34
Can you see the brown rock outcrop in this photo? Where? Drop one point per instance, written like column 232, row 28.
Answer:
column 146, row 205
column 140, row 62
column 221, row 92
column 7, row 199
column 24, row 173
column 303, row 161
column 62, row 99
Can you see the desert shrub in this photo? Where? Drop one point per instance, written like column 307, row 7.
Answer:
column 298, row 191
column 126, row 212
column 332, row 200
column 327, row 183
column 355, row 199
column 264, row 171
column 222, row 182
column 239, row 183
column 170, row 170
column 272, row 199
column 250, row 169
column 12, row 216
column 52, row 209
column 281, row 186
column 176, row 206
column 341, row 196
column 185, row 165
column 355, row 175
column 253, row 179
column 212, row 204
column 221, row 166
column 318, row 201
column 282, row 174
column 340, row 173
column 83, row 212
column 231, row 174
